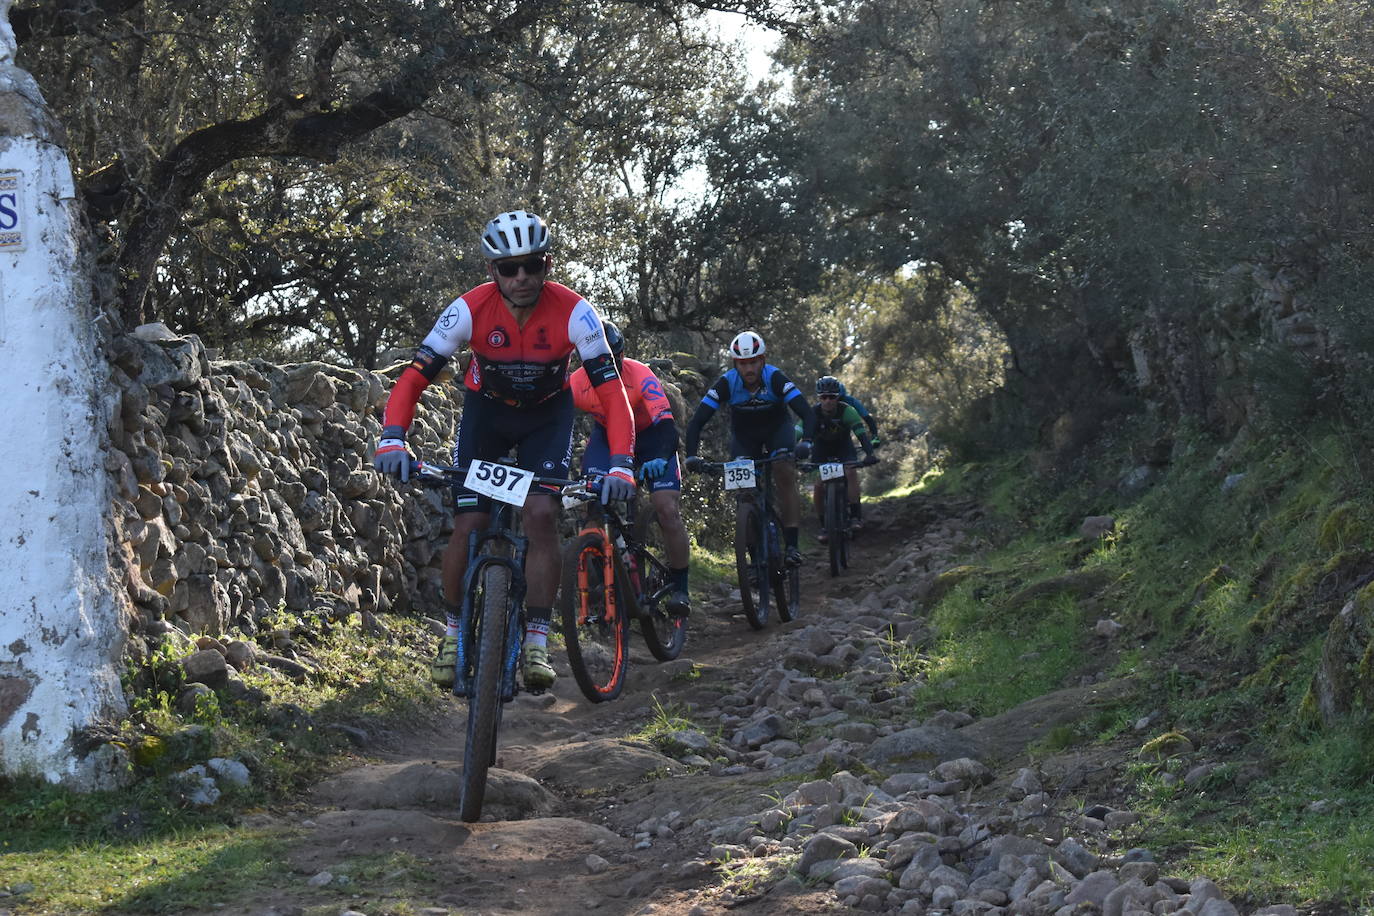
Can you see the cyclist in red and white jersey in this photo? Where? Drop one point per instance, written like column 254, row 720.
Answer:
column 522, row 329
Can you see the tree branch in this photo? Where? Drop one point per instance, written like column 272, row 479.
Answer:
column 63, row 17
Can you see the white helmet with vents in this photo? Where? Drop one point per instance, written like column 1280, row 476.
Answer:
column 515, row 233
column 746, row 345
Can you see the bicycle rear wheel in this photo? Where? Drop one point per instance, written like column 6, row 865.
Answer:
column 484, row 705
column 834, row 526
column 595, row 618
column 751, row 565
column 786, row 580
column 664, row 634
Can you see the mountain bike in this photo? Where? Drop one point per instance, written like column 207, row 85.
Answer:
column 491, row 628
column 835, row 507
column 612, row 575
column 759, row 555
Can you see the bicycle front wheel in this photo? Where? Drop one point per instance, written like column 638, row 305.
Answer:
column 789, row 593
column 484, row 704
column 664, row 634
column 834, row 526
column 594, row 618
column 751, row 564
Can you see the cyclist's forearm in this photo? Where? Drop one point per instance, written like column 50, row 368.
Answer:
column 704, row 413
column 806, row 415
column 657, row 440
column 414, row 379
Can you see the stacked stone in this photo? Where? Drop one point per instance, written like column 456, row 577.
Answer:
column 242, row 488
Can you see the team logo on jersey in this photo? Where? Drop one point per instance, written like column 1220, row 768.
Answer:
column 541, row 339
column 449, row 318
column 498, row 338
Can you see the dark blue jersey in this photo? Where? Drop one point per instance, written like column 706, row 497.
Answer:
column 752, row 413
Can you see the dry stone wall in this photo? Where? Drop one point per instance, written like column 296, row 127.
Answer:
column 242, row 488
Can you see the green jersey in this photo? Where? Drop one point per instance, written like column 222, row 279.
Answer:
column 838, row 428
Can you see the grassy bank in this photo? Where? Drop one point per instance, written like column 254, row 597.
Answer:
column 149, row 847
column 1225, row 570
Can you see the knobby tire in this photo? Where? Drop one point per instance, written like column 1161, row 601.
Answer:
column 598, row 648
column 484, row 705
column 786, row 582
column 664, row 634
column 749, row 562
column 834, row 526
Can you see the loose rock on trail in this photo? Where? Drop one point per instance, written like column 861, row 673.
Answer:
column 807, row 785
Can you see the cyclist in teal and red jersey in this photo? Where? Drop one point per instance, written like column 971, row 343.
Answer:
column 856, row 510
column 655, row 451
column 522, row 329
column 837, row 425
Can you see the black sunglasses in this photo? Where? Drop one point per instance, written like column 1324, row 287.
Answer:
column 511, row 268
column 830, row 397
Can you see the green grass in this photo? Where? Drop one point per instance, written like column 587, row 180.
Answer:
column 190, row 868
column 988, row 660
column 1226, row 600
column 666, row 719
column 144, row 848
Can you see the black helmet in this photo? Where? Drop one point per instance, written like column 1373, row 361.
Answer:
column 614, row 338
column 828, row 384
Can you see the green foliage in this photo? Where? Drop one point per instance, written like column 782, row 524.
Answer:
column 666, row 718
column 1190, row 570
column 992, row 656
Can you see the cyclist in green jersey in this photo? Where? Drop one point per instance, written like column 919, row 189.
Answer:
column 837, row 424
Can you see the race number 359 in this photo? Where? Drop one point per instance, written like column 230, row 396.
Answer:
column 739, row 474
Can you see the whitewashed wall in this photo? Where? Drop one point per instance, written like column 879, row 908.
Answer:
column 61, row 627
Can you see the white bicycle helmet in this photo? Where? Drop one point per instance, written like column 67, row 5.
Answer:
column 514, row 233
column 746, row 345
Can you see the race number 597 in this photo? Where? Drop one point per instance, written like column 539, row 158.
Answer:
column 499, row 481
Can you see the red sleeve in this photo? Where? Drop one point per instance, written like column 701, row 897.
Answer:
column 610, row 391
column 400, row 406
column 653, row 401
column 583, row 398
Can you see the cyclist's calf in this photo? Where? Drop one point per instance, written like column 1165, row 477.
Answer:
column 541, row 565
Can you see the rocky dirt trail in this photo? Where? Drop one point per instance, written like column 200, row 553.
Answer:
column 807, row 787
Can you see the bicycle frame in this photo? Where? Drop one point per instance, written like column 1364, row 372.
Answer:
column 499, row 531
column 627, row 546
column 762, row 496
column 767, row 560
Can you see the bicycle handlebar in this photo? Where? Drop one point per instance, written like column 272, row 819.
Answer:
column 864, row 462
column 717, row 468
column 434, row 474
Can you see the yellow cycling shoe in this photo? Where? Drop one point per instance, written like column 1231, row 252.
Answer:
column 441, row 672
column 539, row 674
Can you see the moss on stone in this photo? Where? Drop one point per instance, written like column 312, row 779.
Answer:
column 949, row 580
column 1287, row 598
column 1344, row 527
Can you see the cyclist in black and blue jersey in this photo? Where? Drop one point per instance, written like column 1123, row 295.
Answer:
column 759, row 396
